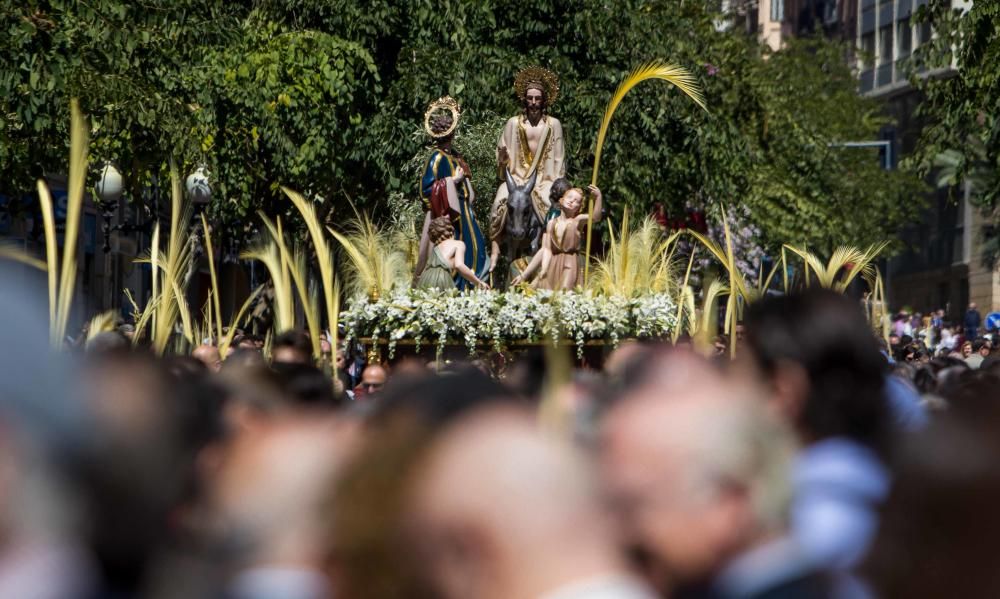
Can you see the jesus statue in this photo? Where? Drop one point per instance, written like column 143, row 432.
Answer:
column 531, row 142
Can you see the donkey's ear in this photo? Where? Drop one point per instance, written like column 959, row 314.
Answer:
column 531, row 181
column 511, row 185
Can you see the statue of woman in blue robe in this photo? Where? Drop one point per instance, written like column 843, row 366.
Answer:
column 446, row 189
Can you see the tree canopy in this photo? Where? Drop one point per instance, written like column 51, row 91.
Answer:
column 327, row 96
column 961, row 141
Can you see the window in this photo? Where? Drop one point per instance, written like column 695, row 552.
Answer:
column 830, row 11
column 904, row 37
column 867, row 49
column 924, row 33
column 777, row 10
column 885, row 44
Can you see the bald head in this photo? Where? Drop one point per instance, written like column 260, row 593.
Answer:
column 502, row 511
column 699, row 474
column 270, row 487
column 209, row 356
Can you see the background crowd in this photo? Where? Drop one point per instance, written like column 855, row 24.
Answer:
column 817, row 463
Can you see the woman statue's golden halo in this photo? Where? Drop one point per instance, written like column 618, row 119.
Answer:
column 444, row 103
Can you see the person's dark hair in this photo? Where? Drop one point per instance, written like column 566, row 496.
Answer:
column 306, row 385
column 440, row 229
column 826, row 333
column 559, row 187
column 182, row 367
column 242, row 357
column 296, row 340
column 978, row 344
column 945, row 490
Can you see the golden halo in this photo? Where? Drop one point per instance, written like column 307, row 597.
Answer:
column 537, row 76
column 444, row 103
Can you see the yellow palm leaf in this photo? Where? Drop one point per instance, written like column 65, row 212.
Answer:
column 214, row 279
column 227, row 339
column 51, row 255
column 101, row 323
column 79, row 142
column 323, row 255
column 673, row 74
column 12, row 253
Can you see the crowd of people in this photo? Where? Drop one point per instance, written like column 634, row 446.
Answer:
column 813, row 464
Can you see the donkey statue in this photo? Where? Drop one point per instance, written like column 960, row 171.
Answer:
column 521, row 231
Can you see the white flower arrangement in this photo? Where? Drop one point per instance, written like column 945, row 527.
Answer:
column 478, row 318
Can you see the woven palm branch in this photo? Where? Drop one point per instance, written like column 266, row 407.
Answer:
column 673, row 74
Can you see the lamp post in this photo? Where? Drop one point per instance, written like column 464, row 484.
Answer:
column 109, row 188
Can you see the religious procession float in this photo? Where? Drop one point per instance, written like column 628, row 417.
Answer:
column 528, row 277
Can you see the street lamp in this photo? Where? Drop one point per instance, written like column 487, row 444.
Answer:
column 109, row 188
column 110, row 184
column 198, row 188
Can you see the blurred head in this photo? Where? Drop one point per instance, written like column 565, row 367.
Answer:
column 945, row 490
column 268, row 494
column 292, row 347
column 373, row 378
column 966, row 349
column 209, row 356
column 108, row 342
column 500, row 510
column 306, row 385
column 821, row 362
column 697, row 477
column 371, row 554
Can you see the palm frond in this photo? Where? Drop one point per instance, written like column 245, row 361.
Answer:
column 377, row 266
column 673, row 74
column 284, row 306
column 227, row 339
column 637, row 262
column 323, row 254
column 51, row 256
column 210, row 253
column 101, row 323
column 79, row 142
column 8, row 252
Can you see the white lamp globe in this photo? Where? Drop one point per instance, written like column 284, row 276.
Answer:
column 110, row 184
column 197, row 186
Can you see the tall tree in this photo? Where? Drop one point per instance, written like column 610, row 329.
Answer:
column 961, row 141
column 328, row 96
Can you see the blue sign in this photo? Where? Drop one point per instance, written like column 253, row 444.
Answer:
column 993, row 321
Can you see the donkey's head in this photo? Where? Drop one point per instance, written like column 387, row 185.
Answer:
column 519, row 208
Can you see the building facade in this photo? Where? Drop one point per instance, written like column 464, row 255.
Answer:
column 942, row 265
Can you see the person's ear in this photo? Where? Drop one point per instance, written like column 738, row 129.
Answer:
column 461, row 562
